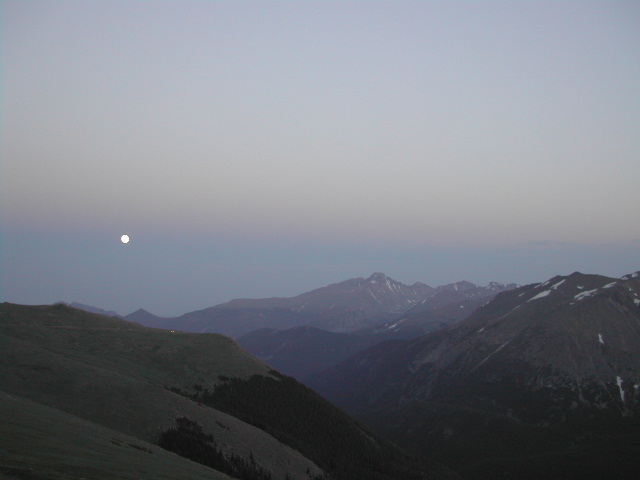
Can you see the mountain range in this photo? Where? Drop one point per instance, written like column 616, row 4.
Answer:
column 500, row 382
column 446, row 305
column 83, row 395
column 287, row 333
column 541, row 382
column 304, row 351
column 357, row 305
column 341, row 307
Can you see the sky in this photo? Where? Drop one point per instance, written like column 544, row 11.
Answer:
column 267, row 148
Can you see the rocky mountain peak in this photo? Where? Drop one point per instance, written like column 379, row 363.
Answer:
column 457, row 286
column 378, row 277
column 499, row 287
column 631, row 276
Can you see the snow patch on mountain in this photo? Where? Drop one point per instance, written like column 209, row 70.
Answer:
column 544, row 293
column 492, row 354
column 583, row 295
column 540, row 295
column 619, row 383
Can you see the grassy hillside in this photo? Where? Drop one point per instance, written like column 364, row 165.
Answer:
column 139, row 381
column 119, row 375
column 43, row 443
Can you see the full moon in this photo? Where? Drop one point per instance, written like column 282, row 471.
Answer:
column 124, row 238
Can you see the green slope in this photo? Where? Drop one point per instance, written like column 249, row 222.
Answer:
column 137, row 381
column 42, row 443
column 119, row 374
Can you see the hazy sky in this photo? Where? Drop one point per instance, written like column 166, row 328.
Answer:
column 267, row 148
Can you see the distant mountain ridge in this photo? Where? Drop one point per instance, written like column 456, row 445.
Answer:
column 89, row 308
column 144, row 317
column 541, row 377
column 305, row 351
column 447, row 305
column 375, row 293
column 341, row 307
column 344, row 307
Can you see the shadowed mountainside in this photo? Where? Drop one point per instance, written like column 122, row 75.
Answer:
column 135, row 381
column 542, row 382
column 304, row 351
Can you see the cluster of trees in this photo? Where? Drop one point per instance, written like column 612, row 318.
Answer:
column 300, row 418
column 188, row 440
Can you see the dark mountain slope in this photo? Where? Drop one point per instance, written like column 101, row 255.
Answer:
column 140, row 381
column 537, row 380
column 303, row 351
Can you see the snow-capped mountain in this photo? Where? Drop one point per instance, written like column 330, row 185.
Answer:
column 355, row 303
column 546, row 371
column 447, row 305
